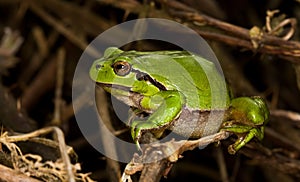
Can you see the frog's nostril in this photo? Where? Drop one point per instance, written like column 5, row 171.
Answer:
column 98, row 66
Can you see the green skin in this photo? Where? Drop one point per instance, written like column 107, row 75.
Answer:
column 171, row 86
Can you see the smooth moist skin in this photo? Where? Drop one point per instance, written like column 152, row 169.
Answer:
column 180, row 91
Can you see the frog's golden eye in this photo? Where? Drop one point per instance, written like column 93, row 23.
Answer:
column 121, row 68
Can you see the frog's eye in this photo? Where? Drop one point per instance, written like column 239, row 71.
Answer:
column 121, row 68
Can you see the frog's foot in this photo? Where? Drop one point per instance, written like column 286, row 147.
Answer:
column 243, row 140
column 245, row 134
column 138, row 127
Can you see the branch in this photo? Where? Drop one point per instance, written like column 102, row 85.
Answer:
column 223, row 32
column 157, row 158
column 8, row 174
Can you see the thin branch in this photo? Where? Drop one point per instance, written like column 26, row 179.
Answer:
column 108, row 141
column 82, row 44
column 230, row 34
column 59, row 85
column 268, row 43
column 294, row 116
column 222, row 164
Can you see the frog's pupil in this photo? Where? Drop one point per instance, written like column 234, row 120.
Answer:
column 120, row 66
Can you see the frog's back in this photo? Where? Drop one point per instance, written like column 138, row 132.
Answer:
column 207, row 80
column 195, row 77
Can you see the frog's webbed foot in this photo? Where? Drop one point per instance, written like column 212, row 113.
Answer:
column 245, row 134
column 243, row 140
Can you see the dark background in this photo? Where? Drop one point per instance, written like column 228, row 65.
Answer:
column 270, row 70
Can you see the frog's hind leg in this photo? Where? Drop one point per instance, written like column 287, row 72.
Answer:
column 244, row 138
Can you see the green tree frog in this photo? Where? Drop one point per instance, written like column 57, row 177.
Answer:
column 179, row 90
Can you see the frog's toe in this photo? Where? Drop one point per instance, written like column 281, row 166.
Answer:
column 231, row 149
column 138, row 146
column 138, row 128
column 242, row 141
column 135, row 132
column 136, row 135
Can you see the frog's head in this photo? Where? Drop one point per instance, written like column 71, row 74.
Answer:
column 117, row 72
column 107, row 69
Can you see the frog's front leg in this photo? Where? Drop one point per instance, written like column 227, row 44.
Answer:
column 166, row 106
column 247, row 119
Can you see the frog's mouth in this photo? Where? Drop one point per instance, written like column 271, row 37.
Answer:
column 122, row 93
column 117, row 87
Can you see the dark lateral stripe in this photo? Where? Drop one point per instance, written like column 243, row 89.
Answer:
column 144, row 76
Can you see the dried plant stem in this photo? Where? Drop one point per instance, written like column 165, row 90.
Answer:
column 61, row 142
column 59, row 85
column 8, row 174
column 219, row 30
column 59, row 26
column 294, row 116
column 222, row 164
column 108, row 142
